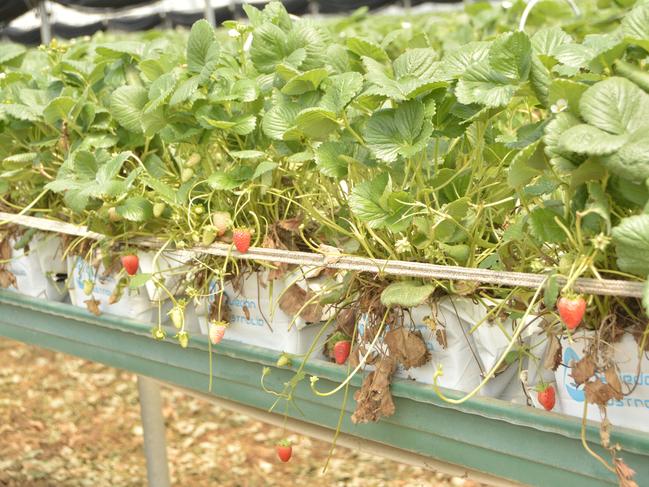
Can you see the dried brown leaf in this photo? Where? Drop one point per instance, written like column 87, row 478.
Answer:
column 93, row 306
column 5, row 250
column 583, row 370
column 293, row 300
column 624, row 473
column 409, row 348
column 7, row 279
column 598, row 393
column 374, row 400
column 553, row 354
column 613, row 381
column 346, row 321
column 440, row 336
column 291, row 224
column 605, row 432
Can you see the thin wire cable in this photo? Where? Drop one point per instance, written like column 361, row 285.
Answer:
column 604, row 287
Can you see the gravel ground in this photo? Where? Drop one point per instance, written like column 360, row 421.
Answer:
column 68, row 422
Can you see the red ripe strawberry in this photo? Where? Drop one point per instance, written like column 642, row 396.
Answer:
column 284, row 450
column 130, row 264
column 571, row 310
column 341, row 351
column 241, row 239
column 217, row 331
column 546, row 397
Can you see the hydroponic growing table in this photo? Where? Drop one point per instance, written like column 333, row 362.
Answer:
column 487, row 439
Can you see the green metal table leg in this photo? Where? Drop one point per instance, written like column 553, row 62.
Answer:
column 155, row 446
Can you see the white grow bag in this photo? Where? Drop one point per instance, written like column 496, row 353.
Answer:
column 256, row 319
column 36, row 271
column 467, row 355
column 140, row 304
column 633, row 410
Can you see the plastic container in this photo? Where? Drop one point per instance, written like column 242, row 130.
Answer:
column 41, row 271
column 256, row 319
column 467, row 356
column 633, row 410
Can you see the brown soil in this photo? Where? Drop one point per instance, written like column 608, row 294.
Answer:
column 68, row 422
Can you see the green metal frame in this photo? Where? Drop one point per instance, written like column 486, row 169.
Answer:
column 514, row 442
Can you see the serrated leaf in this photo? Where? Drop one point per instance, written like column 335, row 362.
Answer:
column 279, row 120
column 185, row 91
column 544, row 226
column 480, row 84
column 329, row 158
column 136, row 209
column 457, row 61
column 247, row 154
column 364, row 47
column 263, row 168
column 58, row 109
column 401, row 131
column 305, row 82
column 631, row 239
column 546, row 41
column 139, row 280
column 119, row 48
column 201, row 38
column 341, row 89
column 511, row 55
column 269, row 47
column 615, row 105
column 316, row 123
column 375, row 203
column 586, row 139
column 631, row 161
column 551, row 292
column 406, row 294
column 635, row 25
column 126, row 105
column 10, row 51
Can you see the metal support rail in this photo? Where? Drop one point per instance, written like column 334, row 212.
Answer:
column 483, row 438
column 605, row 287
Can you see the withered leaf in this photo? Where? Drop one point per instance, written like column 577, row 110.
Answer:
column 583, row 370
column 553, row 354
column 246, row 311
column 440, row 336
column 465, row 288
column 613, row 381
column 5, row 250
column 605, row 432
column 7, row 279
column 293, row 300
column 93, row 306
column 407, row 347
column 280, row 268
column 624, row 473
column 374, row 400
column 346, row 321
column 291, row 224
column 598, row 393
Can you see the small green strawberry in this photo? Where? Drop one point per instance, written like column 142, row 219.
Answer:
column 158, row 333
column 158, row 209
column 177, row 315
column 183, row 338
column 193, row 160
column 284, row 361
column 209, row 235
column 88, row 286
column 186, row 174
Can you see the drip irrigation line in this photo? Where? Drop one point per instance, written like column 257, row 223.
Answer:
column 604, row 287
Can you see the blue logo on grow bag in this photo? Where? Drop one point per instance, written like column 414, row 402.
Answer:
column 568, row 356
column 83, row 268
